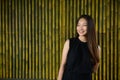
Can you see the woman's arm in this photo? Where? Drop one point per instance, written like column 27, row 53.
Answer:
column 96, row 66
column 63, row 61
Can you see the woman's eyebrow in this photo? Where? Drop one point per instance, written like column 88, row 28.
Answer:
column 83, row 24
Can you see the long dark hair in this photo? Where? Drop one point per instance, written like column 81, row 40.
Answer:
column 91, row 37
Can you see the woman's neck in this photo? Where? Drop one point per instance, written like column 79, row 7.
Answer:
column 82, row 38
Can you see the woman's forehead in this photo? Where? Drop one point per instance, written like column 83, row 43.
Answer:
column 82, row 20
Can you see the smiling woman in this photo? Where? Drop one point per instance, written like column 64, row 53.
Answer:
column 81, row 54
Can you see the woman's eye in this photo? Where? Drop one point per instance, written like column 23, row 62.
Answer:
column 85, row 25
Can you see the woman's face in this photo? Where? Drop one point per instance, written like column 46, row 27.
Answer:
column 82, row 27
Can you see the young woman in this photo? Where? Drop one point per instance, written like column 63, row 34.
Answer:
column 81, row 54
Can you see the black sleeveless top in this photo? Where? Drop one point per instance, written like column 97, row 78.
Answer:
column 79, row 64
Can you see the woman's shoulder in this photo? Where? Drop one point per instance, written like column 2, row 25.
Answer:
column 72, row 39
column 69, row 40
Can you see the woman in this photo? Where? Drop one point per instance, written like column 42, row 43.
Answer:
column 81, row 55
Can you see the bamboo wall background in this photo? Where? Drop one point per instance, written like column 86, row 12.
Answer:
column 32, row 34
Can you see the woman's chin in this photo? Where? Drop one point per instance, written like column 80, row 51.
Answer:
column 82, row 34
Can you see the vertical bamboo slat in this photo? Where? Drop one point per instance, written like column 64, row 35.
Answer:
column 118, row 41
column 1, row 39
